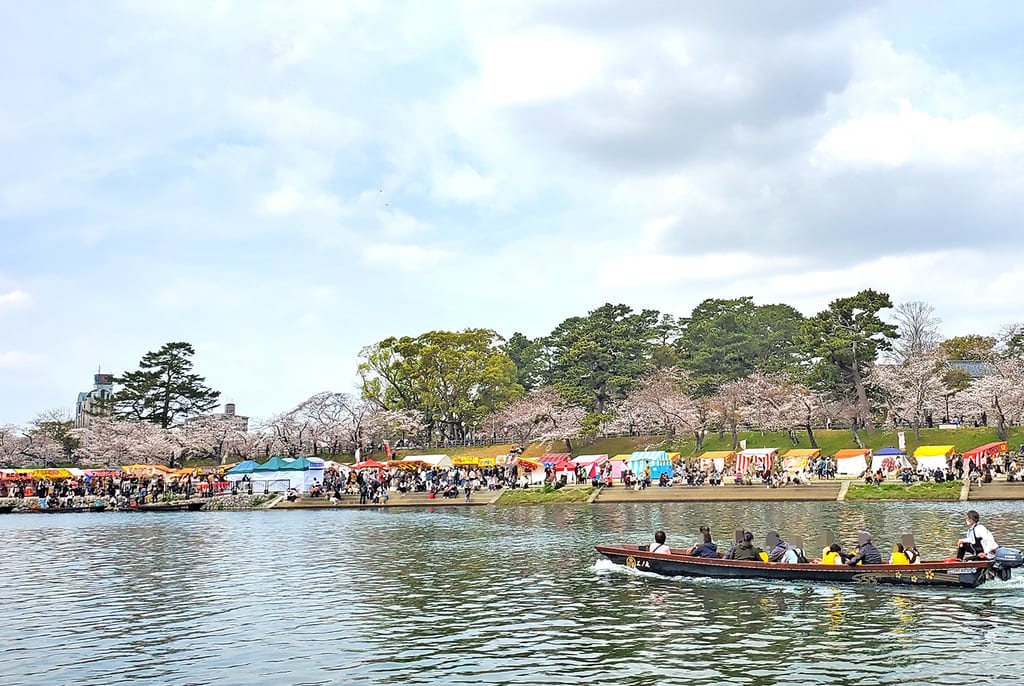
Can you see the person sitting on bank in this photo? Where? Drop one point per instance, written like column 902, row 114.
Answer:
column 867, row 553
column 979, row 543
column 659, row 545
column 776, row 546
column 745, row 549
column 707, row 548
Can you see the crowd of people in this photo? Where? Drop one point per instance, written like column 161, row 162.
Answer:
column 120, row 490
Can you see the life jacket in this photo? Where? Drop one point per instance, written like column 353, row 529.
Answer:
column 829, row 558
column 899, row 559
column 763, row 555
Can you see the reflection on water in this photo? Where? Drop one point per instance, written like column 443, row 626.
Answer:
column 497, row 595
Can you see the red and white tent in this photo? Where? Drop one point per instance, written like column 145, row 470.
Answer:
column 756, row 458
column 978, row 455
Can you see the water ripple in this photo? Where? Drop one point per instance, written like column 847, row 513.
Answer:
column 478, row 595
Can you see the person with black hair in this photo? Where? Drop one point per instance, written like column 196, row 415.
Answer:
column 659, row 543
column 979, row 543
column 745, row 549
column 707, row 548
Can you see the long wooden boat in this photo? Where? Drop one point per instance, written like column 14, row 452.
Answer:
column 165, row 507
column 949, row 574
column 99, row 507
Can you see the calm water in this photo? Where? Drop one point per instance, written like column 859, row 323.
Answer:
column 492, row 595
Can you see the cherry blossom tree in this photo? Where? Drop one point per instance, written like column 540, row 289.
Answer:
column 1000, row 392
column 108, row 441
column 913, row 389
column 542, row 415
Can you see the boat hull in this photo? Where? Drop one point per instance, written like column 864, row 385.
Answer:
column 174, row 507
column 947, row 574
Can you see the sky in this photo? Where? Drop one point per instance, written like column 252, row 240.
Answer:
column 282, row 184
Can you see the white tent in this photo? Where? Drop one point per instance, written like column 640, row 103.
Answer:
column 435, row 461
column 897, row 462
column 852, row 462
column 931, row 462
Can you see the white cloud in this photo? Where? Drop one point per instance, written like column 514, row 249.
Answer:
column 460, row 183
column 913, row 136
column 15, row 300
column 535, row 66
column 289, row 200
column 409, row 258
column 13, row 359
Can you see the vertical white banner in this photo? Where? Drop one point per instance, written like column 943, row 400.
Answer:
column 903, row 440
column 743, row 444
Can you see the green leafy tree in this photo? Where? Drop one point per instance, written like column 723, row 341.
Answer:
column 969, row 347
column 453, row 378
column 728, row 339
column 598, row 358
column 844, row 341
column 163, row 390
column 532, row 361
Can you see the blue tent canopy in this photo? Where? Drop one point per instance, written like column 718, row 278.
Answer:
column 244, row 467
column 889, row 450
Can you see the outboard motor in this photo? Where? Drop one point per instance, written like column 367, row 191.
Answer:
column 1005, row 560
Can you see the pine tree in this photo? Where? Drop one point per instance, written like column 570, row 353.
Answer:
column 163, row 389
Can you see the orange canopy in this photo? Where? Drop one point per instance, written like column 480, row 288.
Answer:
column 851, row 452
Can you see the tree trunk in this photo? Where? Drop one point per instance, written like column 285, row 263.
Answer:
column 735, row 436
column 1000, row 422
column 862, row 398
column 699, row 438
column 568, row 446
column 810, row 435
column 856, row 437
column 917, row 429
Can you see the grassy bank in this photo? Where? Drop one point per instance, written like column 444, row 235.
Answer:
column 947, row 491
column 545, row 495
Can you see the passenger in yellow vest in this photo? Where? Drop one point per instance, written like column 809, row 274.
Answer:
column 833, row 555
column 899, row 555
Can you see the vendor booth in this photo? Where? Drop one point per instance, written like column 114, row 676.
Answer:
column 852, row 462
column 657, row 460
column 715, row 459
column 532, row 469
column 932, row 457
column 796, row 461
column 280, row 474
column 890, row 460
column 591, row 463
column 756, row 458
column 980, row 454
column 435, row 461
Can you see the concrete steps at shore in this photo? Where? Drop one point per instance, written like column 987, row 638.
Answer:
column 828, row 490
column 307, row 502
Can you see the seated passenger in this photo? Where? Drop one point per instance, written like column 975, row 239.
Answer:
column 705, row 549
column 775, row 545
column 737, row 538
column 794, row 552
column 745, row 549
column 833, row 556
column 867, row 553
column 979, row 543
column 910, row 549
column 899, row 555
column 659, row 543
